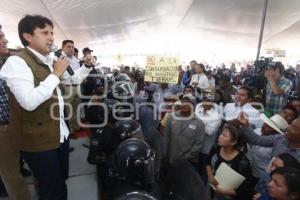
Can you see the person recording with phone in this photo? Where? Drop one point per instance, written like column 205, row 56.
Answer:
column 36, row 106
column 277, row 88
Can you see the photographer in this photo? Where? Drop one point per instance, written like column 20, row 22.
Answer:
column 277, row 89
column 199, row 79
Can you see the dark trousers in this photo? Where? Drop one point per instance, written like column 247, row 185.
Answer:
column 51, row 169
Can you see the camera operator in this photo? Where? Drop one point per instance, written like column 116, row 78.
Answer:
column 277, row 88
column 199, row 79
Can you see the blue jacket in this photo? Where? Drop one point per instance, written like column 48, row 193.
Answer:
column 186, row 77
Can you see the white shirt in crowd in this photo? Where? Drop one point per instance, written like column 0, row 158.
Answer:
column 20, row 80
column 201, row 79
column 232, row 110
column 212, row 121
column 74, row 64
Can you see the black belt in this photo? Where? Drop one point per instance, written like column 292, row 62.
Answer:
column 72, row 85
column 3, row 123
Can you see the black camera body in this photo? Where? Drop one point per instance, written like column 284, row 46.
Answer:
column 263, row 64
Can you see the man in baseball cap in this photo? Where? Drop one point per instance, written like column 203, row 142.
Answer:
column 86, row 51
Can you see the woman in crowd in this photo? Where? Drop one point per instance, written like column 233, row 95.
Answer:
column 200, row 80
column 284, row 184
column 230, row 150
column 282, row 160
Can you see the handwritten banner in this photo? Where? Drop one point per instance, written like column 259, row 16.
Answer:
column 162, row 69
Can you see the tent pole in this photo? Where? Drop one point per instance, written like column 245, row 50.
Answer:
column 262, row 28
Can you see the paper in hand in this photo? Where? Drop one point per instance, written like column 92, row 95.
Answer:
column 228, row 178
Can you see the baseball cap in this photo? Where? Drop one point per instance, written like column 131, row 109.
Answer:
column 86, row 49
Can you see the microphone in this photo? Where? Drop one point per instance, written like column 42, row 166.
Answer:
column 57, row 53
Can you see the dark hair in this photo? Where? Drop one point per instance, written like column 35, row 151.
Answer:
column 76, row 50
column 234, row 131
column 201, row 65
column 189, row 86
column 66, row 42
column 225, row 78
column 292, row 108
column 193, row 61
column 29, row 23
column 292, row 179
column 249, row 92
column 280, row 66
column 209, row 72
column 0, row 26
column 289, row 160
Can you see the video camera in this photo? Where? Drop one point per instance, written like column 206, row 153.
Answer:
column 262, row 64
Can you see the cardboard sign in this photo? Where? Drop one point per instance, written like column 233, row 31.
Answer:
column 162, row 69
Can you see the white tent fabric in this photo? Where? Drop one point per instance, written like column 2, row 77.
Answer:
column 161, row 26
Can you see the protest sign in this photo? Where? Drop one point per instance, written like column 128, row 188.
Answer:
column 162, row 69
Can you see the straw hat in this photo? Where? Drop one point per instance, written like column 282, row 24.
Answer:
column 277, row 122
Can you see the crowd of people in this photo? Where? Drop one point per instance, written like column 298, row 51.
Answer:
column 141, row 131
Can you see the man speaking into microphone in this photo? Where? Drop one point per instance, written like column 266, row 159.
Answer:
column 37, row 106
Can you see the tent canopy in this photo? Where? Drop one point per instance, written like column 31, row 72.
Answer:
column 161, row 26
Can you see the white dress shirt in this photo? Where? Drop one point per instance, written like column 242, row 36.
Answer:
column 74, row 64
column 201, row 79
column 232, row 110
column 212, row 121
column 20, row 80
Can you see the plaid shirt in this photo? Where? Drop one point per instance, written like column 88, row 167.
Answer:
column 274, row 103
column 4, row 111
